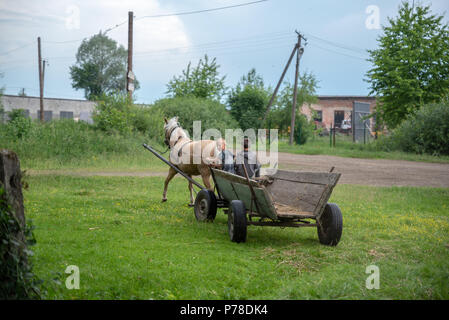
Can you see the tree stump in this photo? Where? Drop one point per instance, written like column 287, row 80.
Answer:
column 10, row 181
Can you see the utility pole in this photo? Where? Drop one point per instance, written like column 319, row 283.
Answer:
column 41, row 80
column 299, row 53
column 280, row 80
column 130, row 74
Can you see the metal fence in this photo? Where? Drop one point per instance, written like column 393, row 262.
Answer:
column 361, row 127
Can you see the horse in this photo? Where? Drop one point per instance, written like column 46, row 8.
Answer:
column 192, row 157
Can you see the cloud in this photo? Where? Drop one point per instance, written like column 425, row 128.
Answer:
column 51, row 20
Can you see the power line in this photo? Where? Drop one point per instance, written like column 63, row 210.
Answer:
column 341, row 53
column 338, row 45
column 24, row 46
column 200, row 11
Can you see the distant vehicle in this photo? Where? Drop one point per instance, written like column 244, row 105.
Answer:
column 346, row 125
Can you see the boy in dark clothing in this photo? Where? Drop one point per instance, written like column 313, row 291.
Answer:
column 249, row 159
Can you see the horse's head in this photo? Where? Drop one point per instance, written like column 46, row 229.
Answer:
column 173, row 131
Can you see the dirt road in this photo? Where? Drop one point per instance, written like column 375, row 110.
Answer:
column 354, row 171
column 374, row 172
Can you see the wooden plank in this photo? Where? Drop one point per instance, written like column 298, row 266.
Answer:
column 233, row 187
column 322, row 178
column 325, row 198
column 304, row 197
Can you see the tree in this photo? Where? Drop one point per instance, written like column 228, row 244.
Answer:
column 202, row 81
column 248, row 100
column 411, row 65
column 101, row 67
column 281, row 113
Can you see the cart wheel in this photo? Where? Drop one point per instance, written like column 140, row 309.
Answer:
column 331, row 225
column 237, row 221
column 205, row 206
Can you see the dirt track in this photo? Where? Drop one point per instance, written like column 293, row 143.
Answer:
column 354, row 171
column 372, row 171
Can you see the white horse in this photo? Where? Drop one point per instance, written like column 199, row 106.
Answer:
column 192, row 157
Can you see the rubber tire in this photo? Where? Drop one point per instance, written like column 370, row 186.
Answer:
column 237, row 223
column 331, row 225
column 205, row 206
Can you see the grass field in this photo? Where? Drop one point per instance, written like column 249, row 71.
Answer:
column 129, row 245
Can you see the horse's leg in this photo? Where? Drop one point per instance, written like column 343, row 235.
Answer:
column 205, row 175
column 171, row 173
column 191, row 193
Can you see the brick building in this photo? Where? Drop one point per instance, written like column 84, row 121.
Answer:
column 335, row 109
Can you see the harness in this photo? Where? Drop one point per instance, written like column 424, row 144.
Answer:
column 168, row 137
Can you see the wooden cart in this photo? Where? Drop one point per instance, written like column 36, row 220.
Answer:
column 285, row 199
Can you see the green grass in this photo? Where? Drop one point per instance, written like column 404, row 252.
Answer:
column 129, row 245
column 344, row 147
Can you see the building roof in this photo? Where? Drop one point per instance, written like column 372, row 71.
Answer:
column 325, row 97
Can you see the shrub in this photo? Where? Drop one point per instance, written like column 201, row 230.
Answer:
column 18, row 125
column 113, row 114
column 303, row 129
column 426, row 131
column 211, row 113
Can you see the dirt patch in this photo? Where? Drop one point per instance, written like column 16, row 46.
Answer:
column 373, row 172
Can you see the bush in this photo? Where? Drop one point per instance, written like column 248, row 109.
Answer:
column 115, row 114
column 112, row 114
column 211, row 113
column 427, row 131
column 18, row 125
column 303, row 129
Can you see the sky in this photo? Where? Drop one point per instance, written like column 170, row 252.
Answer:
column 259, row 35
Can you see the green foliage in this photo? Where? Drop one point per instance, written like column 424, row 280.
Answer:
column 115, row 114
column 101, row 67
column 203, row 81
column 19, row 125
column 112, row 114
column 426, row 131
column 411, row 66
column 303, row 129
column 71, row 144
column 189, row 109
column 248, row 100
column 280, row 114
column 16, row 276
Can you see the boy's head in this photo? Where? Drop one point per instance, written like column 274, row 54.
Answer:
column 246, row 143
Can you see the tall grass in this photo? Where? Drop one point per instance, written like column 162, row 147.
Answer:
column 69, row 144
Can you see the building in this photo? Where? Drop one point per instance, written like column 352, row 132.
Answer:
column 332, row 110
column 54, row 108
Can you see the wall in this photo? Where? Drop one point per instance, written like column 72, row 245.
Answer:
column 329, row 104
column 80, row 108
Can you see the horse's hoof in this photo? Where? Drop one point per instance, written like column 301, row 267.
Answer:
column 191, row 204
column 164, row 200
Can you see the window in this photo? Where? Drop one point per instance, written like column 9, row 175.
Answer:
column 339, row 116
column 66, row 115
column 48, row 115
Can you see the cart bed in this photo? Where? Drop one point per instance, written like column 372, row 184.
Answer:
column 284, row 195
